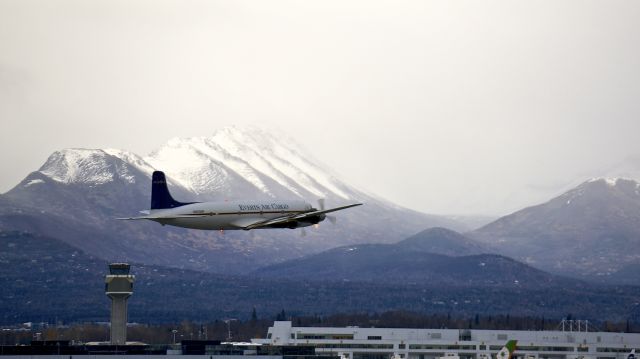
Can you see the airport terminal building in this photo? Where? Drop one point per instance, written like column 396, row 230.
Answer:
column 373, row 343
column 284, row 341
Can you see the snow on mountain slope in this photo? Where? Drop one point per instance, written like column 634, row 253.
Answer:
column 247, row 147
column 591, row 230
column 132, row 159
column 290, row 160
column 205, row 164
column 75, row 165
column 189, row 167
column 233, row 162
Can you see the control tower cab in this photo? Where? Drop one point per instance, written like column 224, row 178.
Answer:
column 119, row 287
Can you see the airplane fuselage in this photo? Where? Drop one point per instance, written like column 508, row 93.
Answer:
column 230, row 215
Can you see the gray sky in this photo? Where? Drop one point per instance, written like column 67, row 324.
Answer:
column 442, row 106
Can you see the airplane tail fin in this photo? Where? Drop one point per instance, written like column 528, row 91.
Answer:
column 160, row 196
column 507, row 350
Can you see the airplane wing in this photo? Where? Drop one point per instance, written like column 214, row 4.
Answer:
column 297, row 217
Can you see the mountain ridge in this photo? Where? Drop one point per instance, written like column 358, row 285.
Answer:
column 41, row 275
column 444, row 241
column 591, row 230
column 413, row 261
column 77, row 194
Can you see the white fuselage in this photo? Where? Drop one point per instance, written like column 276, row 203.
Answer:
column 230, row 215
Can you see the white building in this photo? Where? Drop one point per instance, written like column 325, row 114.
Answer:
column 374, row 343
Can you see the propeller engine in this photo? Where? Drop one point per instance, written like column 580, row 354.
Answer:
column 321, row 206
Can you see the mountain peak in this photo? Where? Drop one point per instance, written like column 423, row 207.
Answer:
column 78, row 165
column 234, row 162
column 269, row 163
column 612, row 181
column 597, row 189
column 92, row 166
column 592, row 224
column 442, row 241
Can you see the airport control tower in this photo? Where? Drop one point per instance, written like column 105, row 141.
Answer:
column 118, row 287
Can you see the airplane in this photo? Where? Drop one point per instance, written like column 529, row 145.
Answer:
column 236, row 215
column 507, row 350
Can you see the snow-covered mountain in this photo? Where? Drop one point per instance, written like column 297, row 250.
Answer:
column 77, row 194
column 271, row 165
column 92, row 167
column 252, row 159
column 591, row 230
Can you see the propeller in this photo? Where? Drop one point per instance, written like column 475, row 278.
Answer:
column 321, row 207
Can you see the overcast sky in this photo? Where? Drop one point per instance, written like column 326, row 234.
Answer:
column 442, row 106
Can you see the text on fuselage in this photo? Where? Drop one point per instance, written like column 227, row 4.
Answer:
column 263, row 207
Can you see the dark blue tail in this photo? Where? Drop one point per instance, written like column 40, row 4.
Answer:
column 160, row 196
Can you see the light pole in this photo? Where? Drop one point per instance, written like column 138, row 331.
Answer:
column 174, row 331
column 228, row 321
